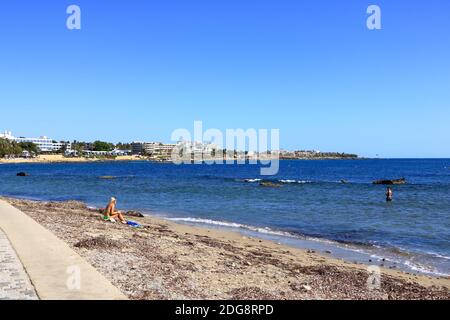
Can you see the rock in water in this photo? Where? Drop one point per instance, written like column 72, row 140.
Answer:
column 390, row 182
column 270, row 184
column 22, row 174
column 107, row 177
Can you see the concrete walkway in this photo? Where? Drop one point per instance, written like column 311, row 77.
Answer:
column 14, row 281
column 55, row 270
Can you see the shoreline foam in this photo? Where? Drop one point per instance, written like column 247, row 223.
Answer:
column 362, row 253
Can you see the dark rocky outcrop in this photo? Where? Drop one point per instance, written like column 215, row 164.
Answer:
column 391, row 182
column 133, row 213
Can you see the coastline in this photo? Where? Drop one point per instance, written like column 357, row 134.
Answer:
column 168, row 260
column 57, row 158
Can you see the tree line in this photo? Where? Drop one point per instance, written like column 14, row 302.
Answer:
column 13, row 148
column 99, row 146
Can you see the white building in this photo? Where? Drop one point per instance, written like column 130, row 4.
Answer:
column 152, row 148
column 6, row 135
column 114, row 153
column 43, row 143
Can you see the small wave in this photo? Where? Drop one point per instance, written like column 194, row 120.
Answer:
column 405, row 252
column 252, row 180
column 284, row 181
column 264, row 230
column 295, row 181
column 424, row 269
column 406, row 258
column 437, row 255
column 400, row 257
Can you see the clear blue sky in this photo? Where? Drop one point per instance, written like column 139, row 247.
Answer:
column 137, row 70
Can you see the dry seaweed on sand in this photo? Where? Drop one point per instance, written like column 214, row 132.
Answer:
column 169, row 261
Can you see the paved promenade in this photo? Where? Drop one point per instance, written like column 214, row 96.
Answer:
column 55, row 270
column 14, row 281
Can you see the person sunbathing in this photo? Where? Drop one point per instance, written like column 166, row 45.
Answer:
column 111, row 214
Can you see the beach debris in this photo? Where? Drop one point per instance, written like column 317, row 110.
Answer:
column 306, row 287
column 22, row 174
column 98, row 242
column 300, row 287
column 71, row 204
column 249, row 293
column 75, row 205
column 149, row 255
column 390, row 182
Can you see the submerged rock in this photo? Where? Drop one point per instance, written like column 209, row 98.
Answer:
column 269, row 184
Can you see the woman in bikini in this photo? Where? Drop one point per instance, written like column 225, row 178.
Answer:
column 111, row 214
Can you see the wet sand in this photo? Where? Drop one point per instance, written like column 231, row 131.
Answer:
column 166, row 260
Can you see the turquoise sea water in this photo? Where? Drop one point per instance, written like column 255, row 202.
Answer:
column 311, row 209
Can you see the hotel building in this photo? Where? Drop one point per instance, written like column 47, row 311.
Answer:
column 43, row 143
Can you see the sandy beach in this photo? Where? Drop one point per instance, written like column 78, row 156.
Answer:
column 58, row 158
column 165, row 260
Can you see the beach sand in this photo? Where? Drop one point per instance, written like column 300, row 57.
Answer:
column 165, row 260
column 59, row 158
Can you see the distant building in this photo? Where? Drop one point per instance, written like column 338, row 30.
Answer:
column 198, row 150
column 152, row 148
column 6, row 135
column 43, row 143
column 89, row 146
column 164, row 150
column 137, row 147
column 113, row 153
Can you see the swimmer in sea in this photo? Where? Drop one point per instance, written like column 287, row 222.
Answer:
column 389, row 194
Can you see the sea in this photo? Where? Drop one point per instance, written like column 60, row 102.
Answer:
column 329, row 206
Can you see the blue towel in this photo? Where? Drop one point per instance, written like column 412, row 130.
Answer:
column 134, row 224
